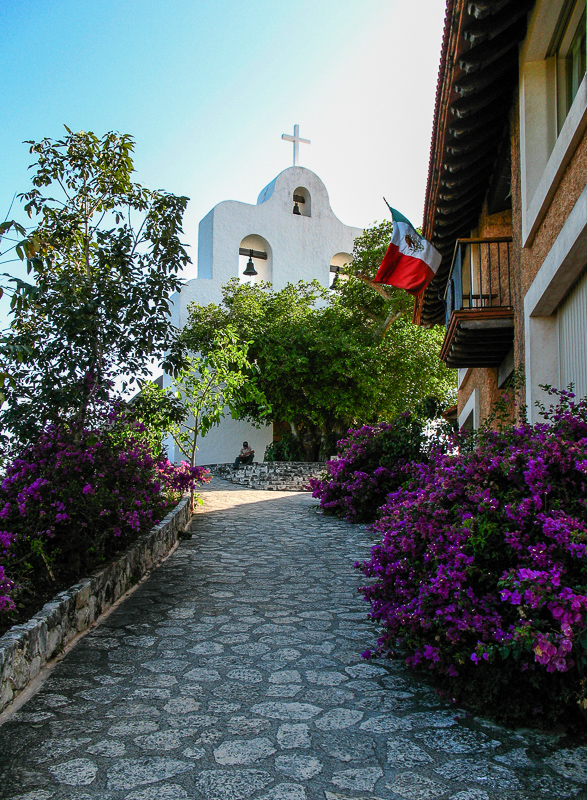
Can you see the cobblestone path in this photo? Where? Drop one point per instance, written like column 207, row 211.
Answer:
column 234, row 672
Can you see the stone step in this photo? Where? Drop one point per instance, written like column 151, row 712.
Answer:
column 274, row 475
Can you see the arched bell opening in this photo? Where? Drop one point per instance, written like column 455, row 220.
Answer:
column 255, row 261
column 302, row 202
column 339, row 268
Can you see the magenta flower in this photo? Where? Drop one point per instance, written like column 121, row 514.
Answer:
column 478, row 572
column 91, row 493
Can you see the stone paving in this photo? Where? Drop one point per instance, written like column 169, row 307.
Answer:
column 234, row 672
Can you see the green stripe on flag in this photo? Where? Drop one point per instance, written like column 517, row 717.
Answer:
column 397, row 217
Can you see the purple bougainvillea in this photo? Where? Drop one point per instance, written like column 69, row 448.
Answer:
column 481, row 573
column 6, row 588
column 373, row 460
column 74, row 498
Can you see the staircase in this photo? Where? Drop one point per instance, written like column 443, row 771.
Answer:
column 283, row 476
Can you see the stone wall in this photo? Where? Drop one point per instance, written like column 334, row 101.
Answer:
column 286, row 476
column 24, row 649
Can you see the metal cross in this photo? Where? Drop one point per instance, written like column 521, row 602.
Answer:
column 296, row 143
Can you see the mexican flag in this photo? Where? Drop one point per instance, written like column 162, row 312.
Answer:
column 410, row 262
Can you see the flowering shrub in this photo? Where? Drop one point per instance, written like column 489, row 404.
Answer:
column 6, row 586
column 373, row 461
column 73, row 499
column 481, row 574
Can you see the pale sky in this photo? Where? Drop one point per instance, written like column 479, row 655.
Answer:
column 207, row 89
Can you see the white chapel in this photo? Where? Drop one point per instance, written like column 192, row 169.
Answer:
column 291, row 234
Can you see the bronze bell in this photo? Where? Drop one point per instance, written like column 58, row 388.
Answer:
column 250, row 268
column 297, row 209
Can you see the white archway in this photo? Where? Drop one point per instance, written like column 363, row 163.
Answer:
column 256, row 249
column 338, row 266
column 302, row 202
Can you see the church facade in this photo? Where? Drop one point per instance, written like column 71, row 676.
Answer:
column 290, row 234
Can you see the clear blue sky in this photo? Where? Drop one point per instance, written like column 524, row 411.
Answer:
column 207, row 89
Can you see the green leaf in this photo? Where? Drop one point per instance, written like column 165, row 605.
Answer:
column 90, row 307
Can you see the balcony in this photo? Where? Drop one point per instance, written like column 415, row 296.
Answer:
column 479, row 308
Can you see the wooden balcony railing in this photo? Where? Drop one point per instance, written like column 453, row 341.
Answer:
column 479, row 305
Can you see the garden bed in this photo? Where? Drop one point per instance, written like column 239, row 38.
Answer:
column 26, row 648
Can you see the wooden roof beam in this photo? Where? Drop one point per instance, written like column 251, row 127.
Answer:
column 490, row 27
column 484, row 8
column 482, row 78
column 486, row 54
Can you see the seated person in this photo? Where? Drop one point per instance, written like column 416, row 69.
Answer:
column 245, row 456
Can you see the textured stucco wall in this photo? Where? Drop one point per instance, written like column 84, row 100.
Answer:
column 572, row 184
column 485, row 382
column 552, row 259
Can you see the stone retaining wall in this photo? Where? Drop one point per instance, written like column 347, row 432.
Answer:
column 25, row 649
column 272, row 475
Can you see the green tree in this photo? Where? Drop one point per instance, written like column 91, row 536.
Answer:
column 156, row 412
column 381, row 308
column 322, row 364
column 104, row 258
column 11, row 352
column 220, row 379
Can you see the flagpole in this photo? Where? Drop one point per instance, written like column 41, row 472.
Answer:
column 389, row 207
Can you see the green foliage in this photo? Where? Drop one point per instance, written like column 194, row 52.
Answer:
column 288, row 448
column 374, row 460
column 370, row 247
column 11, row 352
column 317, row 360
column 103, row 259
column 220, row 378
column 157, row 412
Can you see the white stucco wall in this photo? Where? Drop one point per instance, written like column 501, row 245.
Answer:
column 222, row 444
column 301, row 248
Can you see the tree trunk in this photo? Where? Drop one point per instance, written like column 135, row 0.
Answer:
column 193, row 464
column 323, row 455
column 294, row 431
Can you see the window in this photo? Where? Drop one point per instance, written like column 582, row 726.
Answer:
column 576, row 61
column 553, row 103
column 569, row 49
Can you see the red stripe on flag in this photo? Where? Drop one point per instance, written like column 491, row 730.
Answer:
column 404, row 272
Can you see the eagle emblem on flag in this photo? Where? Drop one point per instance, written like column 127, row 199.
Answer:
column 410, row 262
column 414, row 242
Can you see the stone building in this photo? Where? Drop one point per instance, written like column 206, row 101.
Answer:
column 291, row 234
column 506, row 201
